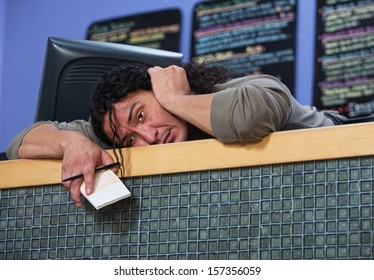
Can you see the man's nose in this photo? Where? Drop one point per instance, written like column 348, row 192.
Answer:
column 148, row 134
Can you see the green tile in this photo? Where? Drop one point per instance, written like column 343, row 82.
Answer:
column 214, row 186
column 204, row 187
column 193, row 199
column 214, row 174
column 184, row 200
column 192, row 246
column 224, row 197
column 203, row 234
column 255, row 183
column 224, row 185
column 331, row 239
column 277, row 181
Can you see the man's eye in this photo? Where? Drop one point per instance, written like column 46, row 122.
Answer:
column 141, row 116
column 131, row 141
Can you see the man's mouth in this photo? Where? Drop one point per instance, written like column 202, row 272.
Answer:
column 166, row 137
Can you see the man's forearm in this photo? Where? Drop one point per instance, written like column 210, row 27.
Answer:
column 45, row 141
column 194, row 109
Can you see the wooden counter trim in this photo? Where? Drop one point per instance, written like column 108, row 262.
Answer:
column 280, row 147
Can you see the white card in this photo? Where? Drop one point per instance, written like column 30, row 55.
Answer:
column 108, row 189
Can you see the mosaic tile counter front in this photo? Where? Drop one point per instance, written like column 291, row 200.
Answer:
column 310, row 210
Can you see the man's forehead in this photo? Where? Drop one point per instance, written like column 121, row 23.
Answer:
column 126, row 103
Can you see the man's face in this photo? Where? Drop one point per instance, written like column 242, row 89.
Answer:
column 141, row 121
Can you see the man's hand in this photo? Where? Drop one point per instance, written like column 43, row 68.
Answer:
column 168, row 83
column 78, row 153
column 81, row 156
column 172, row 90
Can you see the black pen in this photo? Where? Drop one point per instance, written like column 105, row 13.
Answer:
column 104, row 167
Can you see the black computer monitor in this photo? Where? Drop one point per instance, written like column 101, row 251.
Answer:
column 73, row 67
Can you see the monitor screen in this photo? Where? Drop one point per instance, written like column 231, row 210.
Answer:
column 73, row 67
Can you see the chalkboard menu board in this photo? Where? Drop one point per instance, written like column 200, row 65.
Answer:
column 249, row 36
column 344, row 71
column 158, row 30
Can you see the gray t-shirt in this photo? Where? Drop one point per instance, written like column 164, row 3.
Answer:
column 249, row 108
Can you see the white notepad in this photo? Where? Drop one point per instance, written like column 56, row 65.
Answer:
column 108, row 188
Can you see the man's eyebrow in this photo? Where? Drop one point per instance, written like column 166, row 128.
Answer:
column 132, row 107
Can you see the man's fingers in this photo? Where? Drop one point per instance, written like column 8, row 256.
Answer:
column 153, row 70
column 89, row 179
column 76, row 193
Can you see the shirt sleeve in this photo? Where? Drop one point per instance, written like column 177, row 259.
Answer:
column 81, row 126
column 247, row 109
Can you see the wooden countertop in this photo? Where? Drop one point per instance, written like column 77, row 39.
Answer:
column 280, row 147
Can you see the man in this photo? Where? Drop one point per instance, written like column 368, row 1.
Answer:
column 135, row 106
